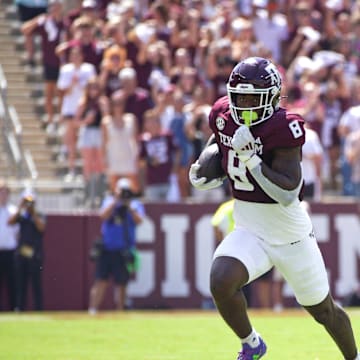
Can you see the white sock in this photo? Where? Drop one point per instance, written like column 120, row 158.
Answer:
column 252, row 340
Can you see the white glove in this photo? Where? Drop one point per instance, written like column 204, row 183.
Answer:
column 243, row 143
column 200, row 183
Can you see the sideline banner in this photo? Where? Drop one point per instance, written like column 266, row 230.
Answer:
column 175, row 244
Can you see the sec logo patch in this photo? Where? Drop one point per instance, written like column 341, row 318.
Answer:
column 220, row 123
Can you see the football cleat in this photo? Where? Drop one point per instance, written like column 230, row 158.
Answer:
column 249, row 353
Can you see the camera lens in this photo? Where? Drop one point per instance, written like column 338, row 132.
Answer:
column 126, row 194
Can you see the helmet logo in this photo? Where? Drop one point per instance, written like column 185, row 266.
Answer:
column 220, row 123
column 273, row 74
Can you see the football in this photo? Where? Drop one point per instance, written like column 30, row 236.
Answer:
column 210, row 163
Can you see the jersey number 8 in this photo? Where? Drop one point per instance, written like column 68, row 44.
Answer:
column 237, row 169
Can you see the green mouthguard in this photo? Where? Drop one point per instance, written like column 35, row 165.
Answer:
column 249, row 116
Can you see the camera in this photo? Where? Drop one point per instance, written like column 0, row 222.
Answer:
column 126, row 194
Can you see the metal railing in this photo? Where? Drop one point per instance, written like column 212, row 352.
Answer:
column 30, row 164
column 11, row 129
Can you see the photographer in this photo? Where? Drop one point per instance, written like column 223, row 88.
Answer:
column 29, row 253
column 120, row 213
column 8, row 243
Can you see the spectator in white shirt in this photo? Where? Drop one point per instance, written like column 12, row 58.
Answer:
column 8, row 243
column 352, row 153
column 349, row 123
column 270, row 27
column 72, row 81
column 312, row 152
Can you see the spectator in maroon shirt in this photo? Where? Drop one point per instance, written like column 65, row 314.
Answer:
column 154, row 64
column 185, row 31
column 159, row 158
column 304, row 23
column 83, row 35
column 138, row 100
column 51, row 28
column 28, row 12
column 140, row 38
column 187, row 82
column 219, row 63
column 182, row 60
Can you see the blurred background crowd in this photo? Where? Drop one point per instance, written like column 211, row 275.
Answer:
column 128, row 86
column 136, row 81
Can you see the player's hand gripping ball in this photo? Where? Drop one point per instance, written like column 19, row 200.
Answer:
column 243, row 143
column 206, row 173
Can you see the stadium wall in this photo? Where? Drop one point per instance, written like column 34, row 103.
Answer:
column 176, row 243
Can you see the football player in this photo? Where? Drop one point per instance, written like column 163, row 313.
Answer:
column 261, row 145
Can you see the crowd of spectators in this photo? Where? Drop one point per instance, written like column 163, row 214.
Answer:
column 149, row 71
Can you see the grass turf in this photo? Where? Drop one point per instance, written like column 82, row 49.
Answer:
column 146, row 335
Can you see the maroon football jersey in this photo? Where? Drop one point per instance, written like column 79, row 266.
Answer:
column 282, row 130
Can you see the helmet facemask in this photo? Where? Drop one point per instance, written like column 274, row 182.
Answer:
column 250, row 105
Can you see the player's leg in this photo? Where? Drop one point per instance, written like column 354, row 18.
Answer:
column 228, row 276
column 337, row 324
column 239, row 259
column 303, row 267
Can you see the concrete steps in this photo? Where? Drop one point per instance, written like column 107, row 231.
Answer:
column 25, row 94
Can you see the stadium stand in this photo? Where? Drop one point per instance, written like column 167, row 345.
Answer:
column 153, row 36
column 30, row 152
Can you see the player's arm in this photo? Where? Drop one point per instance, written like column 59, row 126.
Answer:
column 282, row 180
column 285, row 170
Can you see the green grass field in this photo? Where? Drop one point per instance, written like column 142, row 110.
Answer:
column 145, row 335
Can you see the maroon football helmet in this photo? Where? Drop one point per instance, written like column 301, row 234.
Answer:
column 254, row 90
